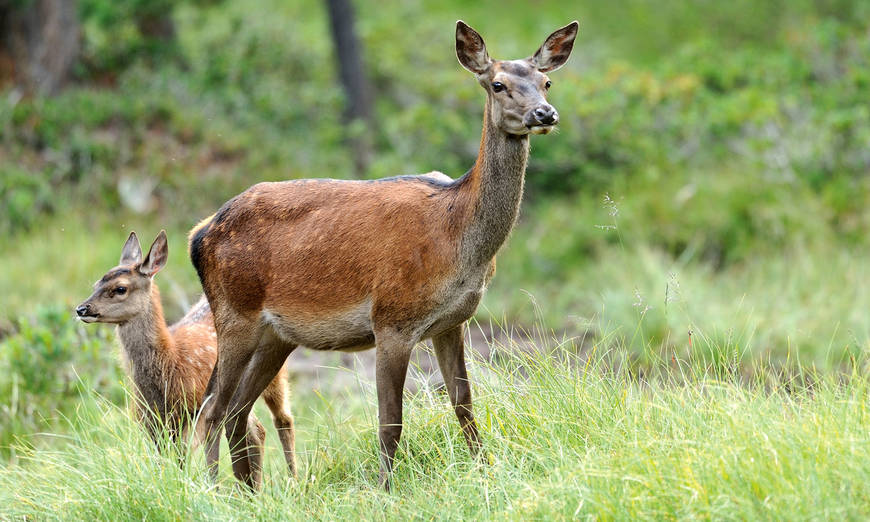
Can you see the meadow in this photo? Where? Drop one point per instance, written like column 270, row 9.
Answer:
column 690, row 258
column 566, row 437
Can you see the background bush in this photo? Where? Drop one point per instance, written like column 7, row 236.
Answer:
column 46, row 364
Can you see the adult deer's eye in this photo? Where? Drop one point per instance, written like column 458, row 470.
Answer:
column 548, row 84
column 498, row 87
column 121, row 290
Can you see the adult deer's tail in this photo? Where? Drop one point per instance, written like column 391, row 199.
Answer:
column 195, row 245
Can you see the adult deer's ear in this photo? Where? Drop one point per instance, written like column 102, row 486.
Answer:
column 157, row 256
column 132, row 252
column 470, row 49
column 556, row 48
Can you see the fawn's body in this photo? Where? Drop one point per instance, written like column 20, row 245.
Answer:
column 170, row 366
column 347, row 265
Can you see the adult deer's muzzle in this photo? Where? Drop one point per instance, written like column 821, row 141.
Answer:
column 542, row 119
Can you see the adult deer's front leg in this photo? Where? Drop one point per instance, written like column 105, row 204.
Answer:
column 393, row 354
column 450, row 350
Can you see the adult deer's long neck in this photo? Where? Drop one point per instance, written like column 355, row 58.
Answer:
column 147, row 345
column 495, row 183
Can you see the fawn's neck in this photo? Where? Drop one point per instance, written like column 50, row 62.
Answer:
column 147, row 346
column 495, row 183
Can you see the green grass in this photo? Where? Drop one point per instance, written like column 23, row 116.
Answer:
column 566, row 436
column 799, row 294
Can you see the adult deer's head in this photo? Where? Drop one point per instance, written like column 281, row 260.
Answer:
column 517, row 89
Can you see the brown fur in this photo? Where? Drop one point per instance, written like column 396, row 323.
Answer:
column 346, row 265
column 298, row 222
column 169, row 366
column 172, row 378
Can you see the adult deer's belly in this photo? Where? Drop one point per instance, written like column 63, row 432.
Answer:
column 347, row 330
column 352, row 328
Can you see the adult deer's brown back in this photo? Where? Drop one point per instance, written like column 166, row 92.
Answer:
column 347, row 265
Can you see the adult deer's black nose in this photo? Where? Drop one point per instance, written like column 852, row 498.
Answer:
column 82, row 310
column 546, row 115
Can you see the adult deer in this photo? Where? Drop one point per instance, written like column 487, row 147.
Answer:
column 347, row 265
column 170, row 366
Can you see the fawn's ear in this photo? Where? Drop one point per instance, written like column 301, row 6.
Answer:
column 157, row 256
column 470, row 49
column 556, row 48
column 132, row 252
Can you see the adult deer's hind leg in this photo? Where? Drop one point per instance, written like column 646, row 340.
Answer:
column 237, row 341
column 263, row 365
column 211, row 434
column 255, row 440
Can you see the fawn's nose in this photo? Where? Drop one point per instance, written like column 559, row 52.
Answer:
column 546, row 115
column 82, row 310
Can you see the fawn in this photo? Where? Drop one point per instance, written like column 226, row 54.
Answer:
column 170, row 366
column 348, row 265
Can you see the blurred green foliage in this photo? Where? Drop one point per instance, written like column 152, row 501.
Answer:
column 256, row 100
column 23, row 196
column 120, row 31
column 46, row 362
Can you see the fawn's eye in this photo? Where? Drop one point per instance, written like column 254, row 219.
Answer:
column 498, row 87
column 548, row 84
column 121, row 290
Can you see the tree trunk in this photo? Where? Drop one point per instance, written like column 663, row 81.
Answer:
column 353, row 80
column 40, row 43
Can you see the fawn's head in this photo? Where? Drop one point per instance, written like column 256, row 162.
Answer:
column 517, row 89
column 125, row 291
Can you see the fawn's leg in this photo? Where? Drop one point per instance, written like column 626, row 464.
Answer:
column 277, row 397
